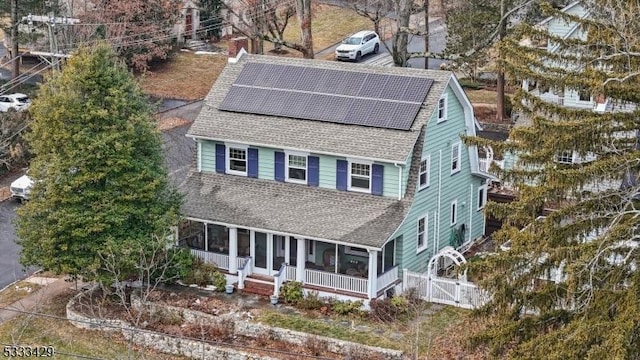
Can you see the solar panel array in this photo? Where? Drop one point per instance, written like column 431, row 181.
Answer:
column 338, row 96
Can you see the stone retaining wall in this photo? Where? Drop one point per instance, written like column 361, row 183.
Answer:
column 198, row 349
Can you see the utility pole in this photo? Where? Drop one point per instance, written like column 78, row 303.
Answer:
column 500, row 114
column 14, row 40
column 53, row 44
column 426, row 32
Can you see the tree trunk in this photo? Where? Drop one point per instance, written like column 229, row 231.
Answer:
column 400, row 38
column 14, row 40
column 500, row 113
column 303, row 9
column 426, row 32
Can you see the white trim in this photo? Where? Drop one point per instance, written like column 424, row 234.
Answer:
column 349, row 176
column 458, row 158
column 354, row 250
column 482, row 188
column 426, row 158
column 199, row 146
column 276, row 232
column 310, row 256
column 445, row 111
column 284, row 148
column 288, row 153
column 228, row 147
column 453, row 213
column 425, row 234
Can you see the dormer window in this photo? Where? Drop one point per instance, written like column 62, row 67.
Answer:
column 296, row 168
column 237, row 160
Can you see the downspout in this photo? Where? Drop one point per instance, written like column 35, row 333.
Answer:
column 399, row 180
column 470, row 209
column 439, row 200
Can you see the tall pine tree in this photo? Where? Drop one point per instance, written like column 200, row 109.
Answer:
column 101, row 187
column 569, row 286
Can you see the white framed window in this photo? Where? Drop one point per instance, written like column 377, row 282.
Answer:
column 454, row 212
column 456, row 150
column 423, row 224
column 296, row 167
column 442, row 108
column 237, row 159
column 424, row 175
column 482, row 196
column 359, row 176
column 565, row 157
column 356, row 251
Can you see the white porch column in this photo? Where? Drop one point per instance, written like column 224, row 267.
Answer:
column 373, row 270
column 195, row 23
column 206, row 237
column 300, row 261
column 287, row 250
column 233, row 250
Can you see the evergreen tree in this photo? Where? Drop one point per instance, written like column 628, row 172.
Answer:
column 568, row 288
column 101, row 188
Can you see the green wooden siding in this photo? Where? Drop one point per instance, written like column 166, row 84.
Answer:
column 327, row 178
column 390, row 180
column 461, row 186
column 208, row 156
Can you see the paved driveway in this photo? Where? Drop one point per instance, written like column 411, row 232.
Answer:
column 10, row 268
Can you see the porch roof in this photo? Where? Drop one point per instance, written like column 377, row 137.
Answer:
column 359, row 219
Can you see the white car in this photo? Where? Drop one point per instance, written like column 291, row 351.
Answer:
column 18, row 102
column 357, row 45
column 21, row 187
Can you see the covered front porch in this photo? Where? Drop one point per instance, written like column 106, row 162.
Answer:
column 319, row 264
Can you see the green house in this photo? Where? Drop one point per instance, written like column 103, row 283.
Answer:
column 333, row 174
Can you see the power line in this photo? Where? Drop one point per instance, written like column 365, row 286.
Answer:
column 210, row 342
column 55, row 352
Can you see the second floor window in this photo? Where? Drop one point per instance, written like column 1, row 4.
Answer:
column 296, row 168
column 237, row 160
column 422, row 234
column 424, row 172
column 455, row 158
column 442, row 108
column 360, row 177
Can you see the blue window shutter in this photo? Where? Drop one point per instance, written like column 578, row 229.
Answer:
column 252, row 155
column 376, row 179
column 220, row 158
column 314, row 171
column 341, row 174
column 279, row 156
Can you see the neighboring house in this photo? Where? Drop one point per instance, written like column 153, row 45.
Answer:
column 334, row 175
column 570, row 98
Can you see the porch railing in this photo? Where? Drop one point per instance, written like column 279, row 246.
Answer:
column 290, row 273
column 387, row 278
column 244, row 270
column 279, row 278
column 336, row 281
column 219, row 260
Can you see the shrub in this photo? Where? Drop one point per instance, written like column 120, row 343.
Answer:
column 180, row 264
column 311, row 302
column 292, row 292
column 203, row 274
column 221, row 331
column 388, row 310
column 347, row 307
column 168, row 317
column 467, row 83
column 400, row 303
column 265, row 338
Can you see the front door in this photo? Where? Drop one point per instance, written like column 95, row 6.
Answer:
column 262, row 253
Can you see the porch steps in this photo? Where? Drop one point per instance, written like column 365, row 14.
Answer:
column 258, row 287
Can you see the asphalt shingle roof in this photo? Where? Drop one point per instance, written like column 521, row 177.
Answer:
column 314, row 136
column 359, row 219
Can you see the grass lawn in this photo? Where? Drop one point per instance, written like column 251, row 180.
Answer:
column 399, row 335
column 481, row 96
column 329, row 25
column 17, row 292
column 184, row 76
column 66, row 338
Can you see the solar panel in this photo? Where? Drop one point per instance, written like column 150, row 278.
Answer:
column 338, row 96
